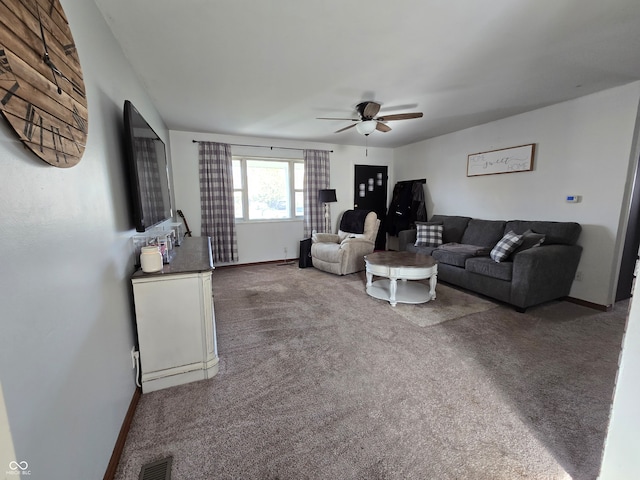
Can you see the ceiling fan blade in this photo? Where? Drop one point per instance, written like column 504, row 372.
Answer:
column 333, row 118
column 370, row 109
column 382, row 127
column 399, row 116
column 345, row 128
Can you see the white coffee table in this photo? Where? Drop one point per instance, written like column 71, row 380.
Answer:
column 401, row 266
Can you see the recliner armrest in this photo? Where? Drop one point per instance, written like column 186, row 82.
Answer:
column 356, row 241
column 325, row 238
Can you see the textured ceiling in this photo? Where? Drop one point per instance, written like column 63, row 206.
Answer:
column 268, row 68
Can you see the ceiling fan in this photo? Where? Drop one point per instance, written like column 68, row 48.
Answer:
column 368, row 122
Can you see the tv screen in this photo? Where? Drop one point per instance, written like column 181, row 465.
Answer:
column 148, row 171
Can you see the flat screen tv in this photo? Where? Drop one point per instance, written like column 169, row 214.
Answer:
column 148, row 171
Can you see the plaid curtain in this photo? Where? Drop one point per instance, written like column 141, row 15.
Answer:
column 316, row 177
column 216, row 200
column 149, row 180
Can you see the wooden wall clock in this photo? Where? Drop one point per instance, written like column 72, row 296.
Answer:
column 41, row 87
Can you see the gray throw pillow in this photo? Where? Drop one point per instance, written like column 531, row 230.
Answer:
column 530, row 239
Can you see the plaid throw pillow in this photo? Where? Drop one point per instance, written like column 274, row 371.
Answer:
column 428, row 235
column 506, row 246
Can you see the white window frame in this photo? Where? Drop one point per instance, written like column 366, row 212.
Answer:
column 245, row 192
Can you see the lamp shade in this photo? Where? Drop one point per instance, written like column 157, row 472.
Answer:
column 366, row 127
column 327, row 196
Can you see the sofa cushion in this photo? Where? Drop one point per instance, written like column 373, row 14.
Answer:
column 456, row 254
column 506, row 246
column 410, row 247
column 428, row 235
column 472, row 250
column 453, row 227
column 450, row 257
column 483, row 232
column 487, row 267
column 563, row 233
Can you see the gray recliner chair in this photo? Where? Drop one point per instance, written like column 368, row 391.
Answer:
column 344, row 252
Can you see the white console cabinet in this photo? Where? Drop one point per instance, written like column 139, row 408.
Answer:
column 176, row 319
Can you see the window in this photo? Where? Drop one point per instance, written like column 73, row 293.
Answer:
column 267, row 189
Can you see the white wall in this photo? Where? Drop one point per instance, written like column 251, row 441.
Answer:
column 67, row 325
column 265, row 241
column 7, row 453
column 583, row 147
column 621, row 459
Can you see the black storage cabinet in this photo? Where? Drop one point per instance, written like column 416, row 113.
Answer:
column 305, row 254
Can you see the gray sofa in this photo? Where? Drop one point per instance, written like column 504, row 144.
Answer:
column 528, row 277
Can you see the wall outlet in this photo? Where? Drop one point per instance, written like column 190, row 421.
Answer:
column 134, row 354
column 578, row 276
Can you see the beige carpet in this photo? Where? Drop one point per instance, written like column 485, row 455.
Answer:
column 449, row 304
column 318, row 380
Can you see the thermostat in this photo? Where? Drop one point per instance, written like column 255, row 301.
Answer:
column 573, row 198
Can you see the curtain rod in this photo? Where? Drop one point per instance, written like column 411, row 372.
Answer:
column 261, row 146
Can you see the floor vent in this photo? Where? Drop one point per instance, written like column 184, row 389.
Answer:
column 160, row 470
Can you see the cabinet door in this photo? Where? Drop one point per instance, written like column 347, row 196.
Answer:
column 209, row 319
column 168, row 315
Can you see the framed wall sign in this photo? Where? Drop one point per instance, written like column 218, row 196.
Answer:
column 505, row 160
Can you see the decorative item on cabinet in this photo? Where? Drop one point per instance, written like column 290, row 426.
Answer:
column 151, row 259
column 163, row 238
column 177, row 232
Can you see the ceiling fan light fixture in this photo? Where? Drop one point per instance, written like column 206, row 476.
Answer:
column 366, row 127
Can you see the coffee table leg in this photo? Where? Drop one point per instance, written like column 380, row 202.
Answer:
column 432, row 284
column 369, row 279
column 393, row 287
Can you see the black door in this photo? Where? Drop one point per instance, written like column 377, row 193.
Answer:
column 370, row 193
column 631, row 244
